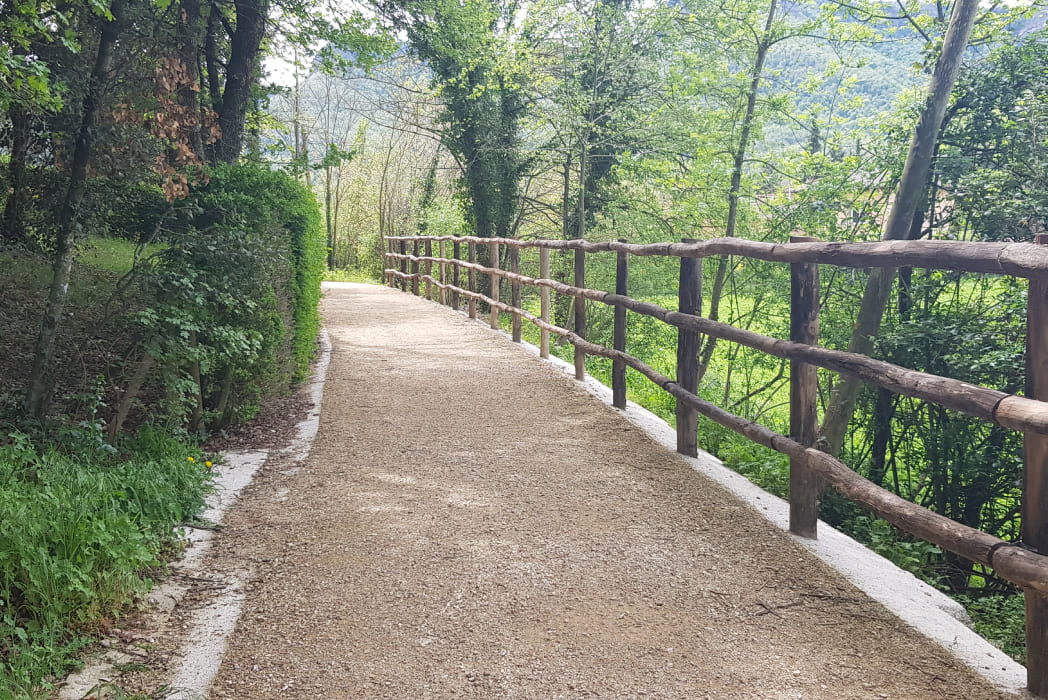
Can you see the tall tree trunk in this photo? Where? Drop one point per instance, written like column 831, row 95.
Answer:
column 240, row 76
column 17, row 182
column 212, row 60
column 764, row 44
column 882, row 432
column 196, row 413
column 907, row 200
column 38, row 395
column 508, row 165
column 336, row 210
column 580, row 230
column 329, row 218
column 128, row 396
column 565, row 200
column 190, row 33
column 563, row 308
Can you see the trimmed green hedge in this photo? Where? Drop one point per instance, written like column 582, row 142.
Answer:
column 273, row 201
column 231, row 309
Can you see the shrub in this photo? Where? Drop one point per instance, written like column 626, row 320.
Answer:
column 235, row 294
column 273, row 202
column 122, row 208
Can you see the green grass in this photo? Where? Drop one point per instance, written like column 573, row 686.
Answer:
column 112, row 254
column 81, row 526
column 350, row 276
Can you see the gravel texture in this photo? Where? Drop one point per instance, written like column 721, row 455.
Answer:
column 472, row 524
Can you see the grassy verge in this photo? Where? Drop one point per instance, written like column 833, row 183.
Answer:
column 82, row 528
column 349, row 276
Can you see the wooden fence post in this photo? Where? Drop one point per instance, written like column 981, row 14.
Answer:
column 387, row 261
column 618, row 367
column 689, row 301
column 471, row 253
column 414, row 267
column 805, row 487
column 494, row 285
column 456, row 254
column 442, row 294
column 402, row 265
column 514, row 266
column 429, row 269
column 544, row 301
column 1035, row 482
column 580, row 313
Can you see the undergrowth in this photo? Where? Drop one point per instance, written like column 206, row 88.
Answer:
column 82, row 529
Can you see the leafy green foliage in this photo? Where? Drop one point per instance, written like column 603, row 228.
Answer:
column 912, row 555
column 111, row 208
column 236, row 295
column 994, row 154
column 79, row 529
column 1002, row 620
column 474, row 59
column 270, row 201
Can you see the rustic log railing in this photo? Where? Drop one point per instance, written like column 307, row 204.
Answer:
column 1021, row 563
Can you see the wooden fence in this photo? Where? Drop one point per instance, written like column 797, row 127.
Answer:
column 410, row 259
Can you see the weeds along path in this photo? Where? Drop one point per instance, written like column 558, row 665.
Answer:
column 472, row 524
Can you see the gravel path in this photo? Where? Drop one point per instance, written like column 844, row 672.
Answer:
column 471, row 524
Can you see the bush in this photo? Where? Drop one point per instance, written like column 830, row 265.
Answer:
column 122, row 208
column 273, row 202
column 234, row 297
column 112, row 207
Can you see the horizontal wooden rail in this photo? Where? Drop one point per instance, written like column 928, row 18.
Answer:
column 1007, row 410
column 1021, row 564
column 1027, row 260
column 1011, row 561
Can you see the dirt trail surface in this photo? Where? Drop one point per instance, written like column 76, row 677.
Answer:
column 471, row 524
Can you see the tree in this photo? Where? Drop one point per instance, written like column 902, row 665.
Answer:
column 231, row 90
column 27, row 29
column 480, row 81
column 38, row 394
column 993, row 153
column 764, row 40
column 900, row 223
column 602, row 90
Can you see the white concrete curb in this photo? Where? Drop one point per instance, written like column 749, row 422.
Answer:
column 212, row 625
column 926, row 609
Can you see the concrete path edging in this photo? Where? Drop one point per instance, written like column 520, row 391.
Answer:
column 926, row 609
column 213, row 624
